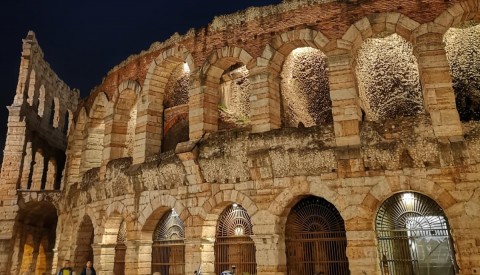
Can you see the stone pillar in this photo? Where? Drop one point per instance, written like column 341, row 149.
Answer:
column 203, row 108
column 270, row 254
column 13, row 159
column 193, row 255
column 345, row 102
column 436, row 83
column 51, row 174
column 27, row 165
column 49, row 262
column 33, row 264
column 207, row 256
column 107, row 141
column 362, row 252
column 132, row 259
column 144, row 257
column 264, row 100
column 148, row 130
column 38, row 169
column 105, row 257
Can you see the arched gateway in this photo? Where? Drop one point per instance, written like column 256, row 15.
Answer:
column 315, row 239
column 414, row 236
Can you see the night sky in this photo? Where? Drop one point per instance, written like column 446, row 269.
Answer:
column 82, row 40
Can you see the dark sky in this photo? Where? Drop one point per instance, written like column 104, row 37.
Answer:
column 83, row 39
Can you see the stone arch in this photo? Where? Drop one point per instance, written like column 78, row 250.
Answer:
column 209, row 214
column 115, row 213
column 75, row 147
column 217, row 203
column 94, row 134
column 154, row 210
column 122, row 135
column 150, row 106
column 461, row 37
column 456, row 15
column 85, row 233
column 218, row 63
column 271, row 65
column 383, row 25
column 35, row 224
column 421, row 218
column 116, row 225
column 386, row 188
column 152, row 213
column 283, row 44
column 392, row 22
column 283, row 203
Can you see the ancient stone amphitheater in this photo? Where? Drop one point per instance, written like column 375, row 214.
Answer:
column 310, row 137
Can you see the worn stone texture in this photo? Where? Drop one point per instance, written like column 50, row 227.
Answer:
column 135, row 151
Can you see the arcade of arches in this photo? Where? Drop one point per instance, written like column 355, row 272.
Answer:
column 311, row 137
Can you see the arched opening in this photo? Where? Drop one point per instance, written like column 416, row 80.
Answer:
column 175, row 108
column 388, row 78
column 120, row 250
column 463, row 54
column 75, row 147
column 233, row 244
column 36, row 225
column 234, row 103
column 305, row 89
column 315, row 239
column 168, row 249
column 414, row 236
column 94, row 134
column 84, row 249
column 124, row 122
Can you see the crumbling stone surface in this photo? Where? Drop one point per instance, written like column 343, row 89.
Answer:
column 389, row 82
column 464, row 58
column 305, row 88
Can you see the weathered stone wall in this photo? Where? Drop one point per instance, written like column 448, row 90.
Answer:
column 34, row 156
column 353, row 163
column 267, row 173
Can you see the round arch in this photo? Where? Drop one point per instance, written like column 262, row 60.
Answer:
column 122, row 137
column 94, row 134
column 150, row 105
column 75, row 149
column 413, row 236
column 315, row 238
column 83, row 242
column 227, row 104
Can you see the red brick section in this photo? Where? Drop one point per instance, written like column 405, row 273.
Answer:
column 332, row 19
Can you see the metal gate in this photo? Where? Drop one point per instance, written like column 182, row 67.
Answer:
column 414, row 237
column 168, row 249
column 120, row 250
column 315, row 239
column 233, row 244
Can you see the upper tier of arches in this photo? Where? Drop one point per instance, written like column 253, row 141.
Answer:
column 185, row 94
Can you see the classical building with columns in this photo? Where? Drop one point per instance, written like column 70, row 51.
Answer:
column 308, row 137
